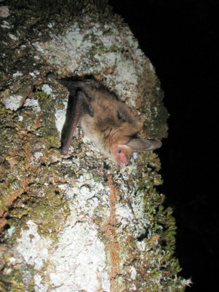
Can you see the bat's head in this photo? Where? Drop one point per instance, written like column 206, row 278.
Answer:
column 122, row 152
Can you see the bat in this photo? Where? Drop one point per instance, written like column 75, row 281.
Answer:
column 104, row 119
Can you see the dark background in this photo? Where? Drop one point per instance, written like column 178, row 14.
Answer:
column 180, row 37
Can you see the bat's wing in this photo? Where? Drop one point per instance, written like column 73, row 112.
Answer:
column 78, row 105
column 144, row 144
column 73, row 115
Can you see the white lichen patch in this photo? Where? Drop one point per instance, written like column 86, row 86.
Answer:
column 133, row 273
column 37, row 155
column 47, row 89
column 60, row 116
column 29, row 102
column 124, row 214
column 93, row 49
column 5, row 25
column 17, row 74
column 39, row 286
column 86, row 195
column 13, row 102
column 32, row 247
column 79, row 261
column 60, row 111
column 133, row 212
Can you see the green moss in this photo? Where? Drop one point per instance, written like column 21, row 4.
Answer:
column 160, row 240
column 47, row 128
column 13, row 280
column 43, row 97
column 154, row 114
column 44, row 206
column 102, row 49
column 26, row 192
column 2, row 203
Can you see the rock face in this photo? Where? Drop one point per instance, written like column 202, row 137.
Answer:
column 80, row 222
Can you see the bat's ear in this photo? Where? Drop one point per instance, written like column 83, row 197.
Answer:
column 144, row 144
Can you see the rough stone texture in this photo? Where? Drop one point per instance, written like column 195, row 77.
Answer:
column 80, row 222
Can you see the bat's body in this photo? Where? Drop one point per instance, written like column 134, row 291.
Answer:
column 104, row 119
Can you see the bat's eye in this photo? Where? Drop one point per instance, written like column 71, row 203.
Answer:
column 119, row 151
column 120, row 117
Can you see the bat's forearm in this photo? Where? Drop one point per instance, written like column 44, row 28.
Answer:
column 75, row 116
